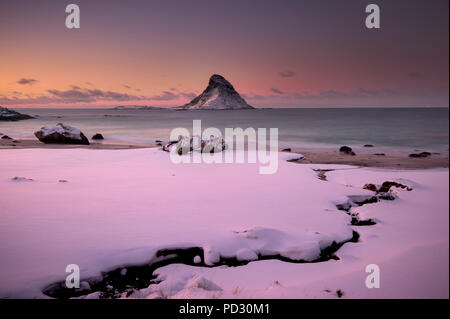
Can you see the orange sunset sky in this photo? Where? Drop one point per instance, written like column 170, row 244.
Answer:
column 275, row 53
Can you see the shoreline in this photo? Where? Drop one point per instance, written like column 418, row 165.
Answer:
column 312, row 156
column 372, row 160
column 24, row 143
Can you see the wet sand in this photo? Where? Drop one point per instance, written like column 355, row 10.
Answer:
column 372, row 160
column 312, row 156
column 101, row 145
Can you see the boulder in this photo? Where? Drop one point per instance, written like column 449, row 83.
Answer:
column 61, row 134
column 368, row 145
column 346, row 150
column 97, row 136
column 6, row 137
column 286, row 149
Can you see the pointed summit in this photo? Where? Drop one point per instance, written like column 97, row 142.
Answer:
column 219, row 95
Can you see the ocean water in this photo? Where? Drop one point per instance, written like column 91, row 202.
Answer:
column 398, row 130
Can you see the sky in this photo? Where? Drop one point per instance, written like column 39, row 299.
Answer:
column 278, row 53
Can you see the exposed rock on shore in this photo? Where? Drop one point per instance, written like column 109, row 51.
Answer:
column 62, row 134
column 98, row 136
column 346, row 150
column 420, row 155
column 185, row 145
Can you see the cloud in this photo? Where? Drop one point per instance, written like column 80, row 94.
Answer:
column 287, row 74
column 165, row 96
column 188, row 95
column 78, row 94
column 126, row 86
column 25, row 81
column 360, row 93
column 277, row 91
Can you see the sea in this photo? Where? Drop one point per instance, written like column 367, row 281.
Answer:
column 391, row 130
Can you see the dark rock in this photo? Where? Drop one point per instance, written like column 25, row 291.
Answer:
column 370, row 187
column 368, row 145
column 6, row 137
column 363, row 222
column 97, row 136
column 158, row 141
column 286, row 149
column 370, row 200
column 61, row 134
column 386, row 187
column 380, row 154
column 347, row 150
column 420, row 155
column 10, row 115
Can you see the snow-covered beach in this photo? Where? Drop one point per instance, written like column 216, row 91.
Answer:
column 221, row 159
column 109, row 209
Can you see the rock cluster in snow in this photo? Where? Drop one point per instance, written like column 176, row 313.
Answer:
column 219, row 95
column 185, row 145
column 10, row 115
column 61, row 133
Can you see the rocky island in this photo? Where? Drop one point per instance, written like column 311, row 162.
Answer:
column 219, row 95
column 10, row 115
